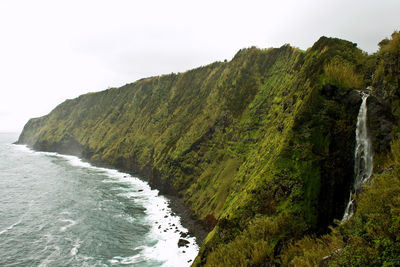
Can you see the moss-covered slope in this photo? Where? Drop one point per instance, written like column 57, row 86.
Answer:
column 260, row 148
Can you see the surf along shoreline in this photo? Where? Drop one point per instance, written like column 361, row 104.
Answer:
column 196, row 228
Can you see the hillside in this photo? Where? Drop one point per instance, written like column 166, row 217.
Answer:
column 259, row 148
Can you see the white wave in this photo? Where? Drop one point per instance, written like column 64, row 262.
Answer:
column 165, row 227
column 70, row 224
column 19, row 220
column 126, row 218
column 12, row 225
column 65, row 212
column 48, row 238
column 75, row 247
column 75, row 161
column 128, row 260
column 23, row 148
column 48, row 260
column 167, row 232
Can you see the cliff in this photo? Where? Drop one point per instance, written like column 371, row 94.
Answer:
column 259, row 148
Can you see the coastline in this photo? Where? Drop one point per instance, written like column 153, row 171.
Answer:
column 196, row 228
column 114, row 205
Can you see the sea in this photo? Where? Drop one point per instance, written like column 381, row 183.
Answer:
column 57, row 210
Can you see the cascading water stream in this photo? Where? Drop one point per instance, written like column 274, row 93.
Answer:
column 362, row 156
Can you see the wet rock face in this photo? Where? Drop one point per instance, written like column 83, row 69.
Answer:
column 349, row 98
column 352, row 101
column 380, row 118
column 337, row 169
column 380, row 124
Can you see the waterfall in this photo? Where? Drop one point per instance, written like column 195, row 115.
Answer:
column 362, row 156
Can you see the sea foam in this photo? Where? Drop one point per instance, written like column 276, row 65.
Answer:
column 165, row 227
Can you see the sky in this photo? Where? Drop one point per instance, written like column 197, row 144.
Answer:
column 53, row 50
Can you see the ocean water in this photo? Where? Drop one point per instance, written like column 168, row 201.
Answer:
column 56, row 210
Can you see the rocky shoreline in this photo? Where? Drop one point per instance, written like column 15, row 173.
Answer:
column 196, row 228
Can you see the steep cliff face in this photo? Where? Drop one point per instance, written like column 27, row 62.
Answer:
column 371, row 237
column 260, row 148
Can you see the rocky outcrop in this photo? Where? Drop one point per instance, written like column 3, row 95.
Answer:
column 183, row 243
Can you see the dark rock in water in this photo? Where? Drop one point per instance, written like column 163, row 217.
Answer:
column 140, row 190
column 184, row 234
column 183, row 251
column 166, row 216
column 183, row 243
column 159, row 227
column 189, row 261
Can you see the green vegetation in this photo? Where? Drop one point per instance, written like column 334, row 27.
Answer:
column 372, row 236
column 343, row 74
column 386, row 77
column 263, row 143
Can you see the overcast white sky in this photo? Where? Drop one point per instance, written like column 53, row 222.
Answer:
column 53, row 50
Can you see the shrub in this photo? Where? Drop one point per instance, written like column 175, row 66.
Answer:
column 309, row 251
column 391, row 46
column 343, row 74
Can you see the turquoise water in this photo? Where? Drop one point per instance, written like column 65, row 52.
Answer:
column 56, row 210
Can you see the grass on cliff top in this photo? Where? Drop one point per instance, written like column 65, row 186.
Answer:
column 343, row 74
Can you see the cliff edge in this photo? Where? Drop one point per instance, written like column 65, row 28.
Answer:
column 260, row 148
